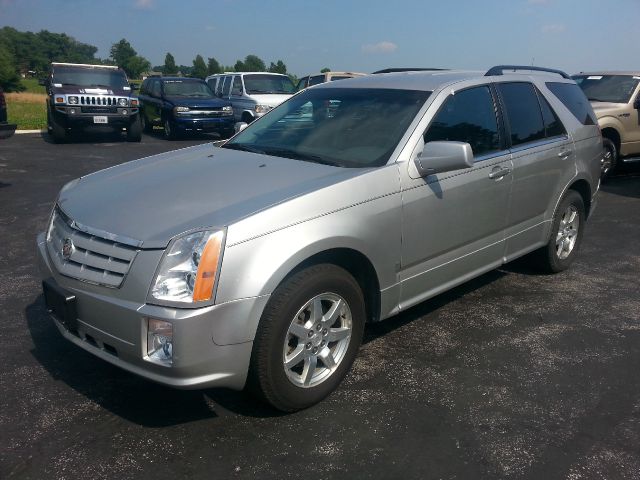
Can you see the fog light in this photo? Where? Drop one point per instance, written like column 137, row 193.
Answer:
column 72, row 111
column 125, row 111
column 160, row 342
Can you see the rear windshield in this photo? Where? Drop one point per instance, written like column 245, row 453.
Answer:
column 89, row 77
column 186, row 88
column 575, row 100
column 268, row 84
column 608, row 88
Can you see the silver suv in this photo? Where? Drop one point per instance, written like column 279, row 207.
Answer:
column 258, row 264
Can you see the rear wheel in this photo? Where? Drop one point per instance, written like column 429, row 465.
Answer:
column 308, row 337
column 566, row 234
column 609, row 160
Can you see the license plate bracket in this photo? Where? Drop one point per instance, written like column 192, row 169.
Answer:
column 61, row 304
column 100, row 119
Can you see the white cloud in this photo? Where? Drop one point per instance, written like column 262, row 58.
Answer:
column 143, row 4
column 380, row 47
column 553, row 28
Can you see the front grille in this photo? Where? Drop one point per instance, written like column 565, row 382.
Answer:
column 208, row 112
column 98, row 100
column 99, row 109
column 92, row 258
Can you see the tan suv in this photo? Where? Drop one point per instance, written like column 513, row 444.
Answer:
column 615, row 97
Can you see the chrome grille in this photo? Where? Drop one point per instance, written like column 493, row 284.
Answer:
column 207, row 112
column 92, row 259
column 98, row 100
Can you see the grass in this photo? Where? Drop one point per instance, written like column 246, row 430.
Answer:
column 31, row 85
column 27, row 109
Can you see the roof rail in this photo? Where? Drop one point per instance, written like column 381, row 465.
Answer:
column 498, row 70
column 64, row 64
column 395, row 70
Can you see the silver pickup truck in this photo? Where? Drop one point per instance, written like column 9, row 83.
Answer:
column 258, row 264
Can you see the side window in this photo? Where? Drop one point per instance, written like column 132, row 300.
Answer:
column 302, row 83
column 316, row 80
column 468, row 116
column 156, row 89
column 212, row 84
column 226, row 87
column 523, row 112
column 552, row 125
column 572, row 96
column 237, row 86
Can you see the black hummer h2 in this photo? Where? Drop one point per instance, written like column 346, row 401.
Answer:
column 82, row 95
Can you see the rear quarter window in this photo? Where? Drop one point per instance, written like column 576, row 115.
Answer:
column 572, row 96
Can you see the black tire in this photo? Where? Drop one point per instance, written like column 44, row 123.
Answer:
column 269, row 379
column 550, row 257
column 134, row 132
column 146, row 126
column 169, row 129
column 610, row 160
column 247, row 118
column 58, row 132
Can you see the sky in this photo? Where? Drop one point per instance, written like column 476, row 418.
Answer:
column 355, row 35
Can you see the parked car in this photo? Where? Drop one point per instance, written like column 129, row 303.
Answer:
column 183, row 105
column 252, row 94
column 258, row 263
column 6, row 129
column 615, row 97
column 311, row 80
column 81, row 95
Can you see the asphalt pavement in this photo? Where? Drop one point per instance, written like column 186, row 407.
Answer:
column 512, row 375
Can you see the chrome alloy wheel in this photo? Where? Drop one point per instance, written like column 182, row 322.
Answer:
column 567, row 232
column 607, row 162
column 317, row 340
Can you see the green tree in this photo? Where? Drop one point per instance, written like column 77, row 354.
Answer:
column 136, row 66
column 199, row 67
column 325, row 70
column 252, row 63
column 124, row 55
column 169, row 67
column 278, row 67
column 213, row 66
column 9, row 78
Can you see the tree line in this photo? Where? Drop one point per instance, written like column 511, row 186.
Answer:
column 28, row 53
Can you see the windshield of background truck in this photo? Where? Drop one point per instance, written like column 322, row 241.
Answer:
column 186, row 88
column 268, row 84
column 344, row 127
column 608, row 88
column 90, row 77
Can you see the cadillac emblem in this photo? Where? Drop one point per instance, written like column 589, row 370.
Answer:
column 67, row 248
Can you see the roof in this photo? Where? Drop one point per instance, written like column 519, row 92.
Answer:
column 182, row 79
column 410, row 80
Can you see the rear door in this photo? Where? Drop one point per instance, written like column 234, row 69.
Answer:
column 453, row 222
column 543, row 158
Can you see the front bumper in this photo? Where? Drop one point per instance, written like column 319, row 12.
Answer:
column 194, row 124
column 114, row 328
column 74, row 116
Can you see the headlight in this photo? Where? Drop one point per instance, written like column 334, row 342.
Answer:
column 180, row 109
column 187, row 272
column 227, row 108
column 72, row 100
column 160, row 342
column 123, row 102
column 262, row 108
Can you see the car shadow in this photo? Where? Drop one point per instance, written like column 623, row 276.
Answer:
column 94, row 135
column 626, row 183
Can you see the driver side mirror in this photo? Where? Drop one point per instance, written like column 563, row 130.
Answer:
column 134, row 86
column 439, row 157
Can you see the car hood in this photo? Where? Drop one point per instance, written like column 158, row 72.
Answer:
column 153, row 199
column 603, row 109
column 271, row 99
column 195, row 102
column 70, row 90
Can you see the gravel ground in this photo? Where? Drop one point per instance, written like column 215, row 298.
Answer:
column 512, row 375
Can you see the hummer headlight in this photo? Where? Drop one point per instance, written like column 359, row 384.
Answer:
column 188, row 270
column 123, row 102
column 72, row 100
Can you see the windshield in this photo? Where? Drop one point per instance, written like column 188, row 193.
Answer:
column 186, row 88
column 345, row 127
column 608, row 88
column 268, row 84
column 90, row 77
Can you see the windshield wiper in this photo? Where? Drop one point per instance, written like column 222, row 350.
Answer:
column 242, row 147
column 295, row 155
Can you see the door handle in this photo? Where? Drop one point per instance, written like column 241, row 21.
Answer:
column 499, row 172
column 564, row 154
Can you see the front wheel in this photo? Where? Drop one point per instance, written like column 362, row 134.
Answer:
column 134, row 132
column 566, row 234
column 169, row 130
column 308, row 337
column 609, row 159
column 58, row 132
